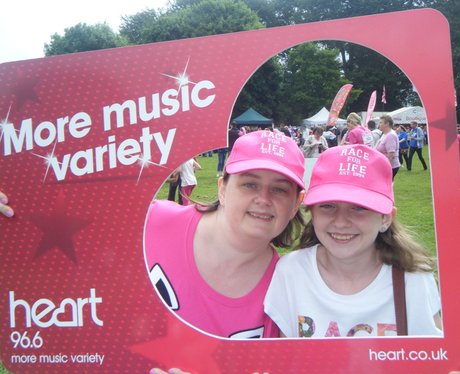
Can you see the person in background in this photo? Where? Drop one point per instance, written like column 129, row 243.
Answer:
column 233, row 134
column 188, row 179
column 175, row 186
column 388, row 143
column 357, row 134
column 376, row 133
column 403, row 144
column 416, row 140
column 221, row 155
column 341, row 283
column 331, row 135
column 314, row 144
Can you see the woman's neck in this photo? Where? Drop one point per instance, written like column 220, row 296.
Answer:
column 232, row 265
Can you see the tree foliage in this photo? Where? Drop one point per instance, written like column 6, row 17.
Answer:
column 299, row 81
column 312, row 77
column 83, row 37
column 201, row 18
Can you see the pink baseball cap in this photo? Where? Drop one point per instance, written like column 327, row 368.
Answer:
column 356, row 174
column 267, row 150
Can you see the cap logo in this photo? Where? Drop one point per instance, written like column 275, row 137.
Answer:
column 352, row 164
column 273, row 146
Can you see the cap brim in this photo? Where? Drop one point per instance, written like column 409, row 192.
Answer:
column 349, row 194
column 243, row 166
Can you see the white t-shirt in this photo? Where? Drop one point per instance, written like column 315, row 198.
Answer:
column 302, row 305
column 187, row 173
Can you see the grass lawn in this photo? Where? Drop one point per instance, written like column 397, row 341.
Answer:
column 412, row 194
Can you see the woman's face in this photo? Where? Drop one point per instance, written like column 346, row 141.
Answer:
column 347, row 231
column 258, row 203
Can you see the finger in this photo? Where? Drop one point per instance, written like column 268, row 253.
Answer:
column 157, row 371
column 3, row 198
column 6, row 210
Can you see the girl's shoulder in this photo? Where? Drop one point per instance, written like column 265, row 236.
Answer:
column 300, row 256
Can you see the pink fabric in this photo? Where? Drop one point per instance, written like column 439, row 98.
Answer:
column 186, row 192
column 389, row 143
column 267, row 150
column 169, row 233
column 355, row 174
column 355, row 136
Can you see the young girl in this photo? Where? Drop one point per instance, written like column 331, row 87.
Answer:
column 212, row 264
column 341, row 284
column 188, row 180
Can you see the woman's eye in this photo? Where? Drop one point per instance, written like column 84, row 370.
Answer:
column 250, row 185
column 359, row 208
column 279, row 190
column 326, row 206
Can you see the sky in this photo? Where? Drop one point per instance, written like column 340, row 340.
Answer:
column 26, row 25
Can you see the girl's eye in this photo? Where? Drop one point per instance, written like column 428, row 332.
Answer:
column 327, row 206
column 359, row 208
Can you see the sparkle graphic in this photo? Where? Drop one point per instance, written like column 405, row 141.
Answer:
column 182, row 78
column 4, row 122
column 145, row 163
column 48, row 159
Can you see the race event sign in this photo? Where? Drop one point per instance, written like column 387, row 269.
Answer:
column 87, row 140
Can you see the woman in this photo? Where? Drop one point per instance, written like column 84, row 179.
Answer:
column 341, row 284
column 388, row 143
column 313, row 146
column 403, row 144
column 215, row 269
column 315, row 143
column 356, row 133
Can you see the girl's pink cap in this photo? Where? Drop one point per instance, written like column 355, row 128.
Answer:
column 356, row 174
column 267, row 150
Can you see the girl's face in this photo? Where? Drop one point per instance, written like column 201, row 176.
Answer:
column 258, row 203
column 347, row 231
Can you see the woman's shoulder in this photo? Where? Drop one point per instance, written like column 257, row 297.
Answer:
column 169, row 209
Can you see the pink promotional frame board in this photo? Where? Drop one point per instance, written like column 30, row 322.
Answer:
column 75, row 295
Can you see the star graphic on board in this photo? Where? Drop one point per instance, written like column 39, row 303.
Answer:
column 443, row 126
column 22, row 89
column 195, row 356
column 58, row 230
column 181, row 78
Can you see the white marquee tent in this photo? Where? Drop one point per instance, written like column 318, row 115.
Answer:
column 408, row 114
column 320, row 118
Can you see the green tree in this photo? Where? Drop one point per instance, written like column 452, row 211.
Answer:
column 83, row 37
column 312, row 77
column 201, row 18
column 262, row 91
column 132, row 27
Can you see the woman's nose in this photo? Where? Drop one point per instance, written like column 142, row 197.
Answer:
column 264, row 196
